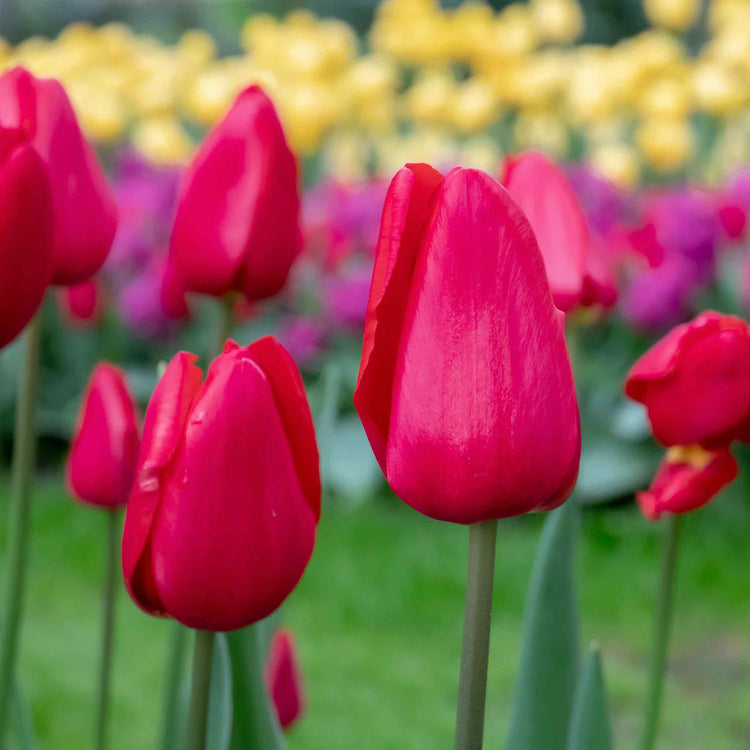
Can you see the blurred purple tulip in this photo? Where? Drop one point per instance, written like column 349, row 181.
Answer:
column 346, row 295
column 686, row 224
column 303, row 337
column 658, row 298
column 603, row 204
column 147, row 294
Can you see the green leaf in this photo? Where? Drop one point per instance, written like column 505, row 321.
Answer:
column 590, row 728
column 255, row 724
column 22, row 727
column 220, row 701
column 351, row 472
column 549, row 654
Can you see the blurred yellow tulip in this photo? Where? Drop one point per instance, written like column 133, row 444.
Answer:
column 666, row 145
column 666, row 98
column 162, row 140
column 558, row 20
column 677, row 15
column 473, row 106
column 430, row 96
column 196, row 48
column 618, row 162
column 718, row 89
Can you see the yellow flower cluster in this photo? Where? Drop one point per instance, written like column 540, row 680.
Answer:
column 442, row 76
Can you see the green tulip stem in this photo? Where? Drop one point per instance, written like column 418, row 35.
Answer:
column 661, row 631
column 226, row 322
column 24, row 449
column 203, row 655
column 172, row 681
column 108, row 626
column 472, row 683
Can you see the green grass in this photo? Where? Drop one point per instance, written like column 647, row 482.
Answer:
column 378, row 619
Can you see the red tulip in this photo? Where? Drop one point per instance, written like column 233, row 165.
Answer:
column 26, row 230
column 81, row 303
column 104, row 449
column 695, row 382
column 599, row 284
column 172, row 292
column 222, row 517
column 284, row 679
column 687, row 479
column 84, row 209
column 236, row 226
column 547, row 199
column 465, row 388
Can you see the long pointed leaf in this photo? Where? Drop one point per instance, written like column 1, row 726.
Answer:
column 550, row 650
column 255, row 724
column 590, row 728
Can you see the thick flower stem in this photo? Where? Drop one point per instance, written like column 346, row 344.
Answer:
column 175, row 667
column 661, row 631
column 472, row 683
column 108, row 626
column 203, row 656
column 226, row 322
column 24, row 449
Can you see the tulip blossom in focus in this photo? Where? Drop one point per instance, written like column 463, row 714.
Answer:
column 695, row 382
column 85, row 214
column 465, row 387
column 688, row 478
column 545, row 196
column 222, row 517
column 26, row 228
column 237, row 221
column 82, row 303
column 104, row 448
column 284, row 679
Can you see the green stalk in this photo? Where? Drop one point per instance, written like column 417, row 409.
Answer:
column 226, row 322
column 24, row 449
column 108, row 627
column 203, row 656
column 472, row 683
column 171, row 706
column 661, row 631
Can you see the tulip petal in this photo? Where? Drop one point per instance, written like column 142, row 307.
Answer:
column 695, row 382
column 284, row 680
column 408, row 205
column 547, row 199
column 291, row 403
column 231, row 495
column 163, row 431
column 85, row 210
column 680, row 486
column 236, row 225
column 104, row 449
column 484, row 421
column 26, row 239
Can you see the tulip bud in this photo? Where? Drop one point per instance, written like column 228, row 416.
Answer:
column 687, row 479
column 236, row 226
column 222, row 517
column 465, row 388
column 26, row 230
column 81, row 303
column 85, row 214
column 547, row 199
column 695, row 382
column 104, row 448
column 284, row 679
